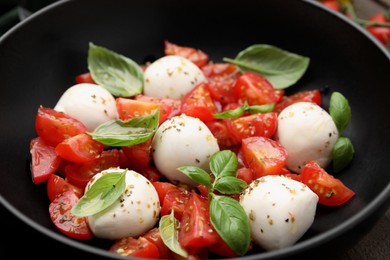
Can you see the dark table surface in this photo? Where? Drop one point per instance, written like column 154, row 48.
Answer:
column 375, row 245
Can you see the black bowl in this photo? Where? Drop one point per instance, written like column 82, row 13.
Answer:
column 40, row 57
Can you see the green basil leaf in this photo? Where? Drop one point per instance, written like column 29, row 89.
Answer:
column 120, row 75
column 102, row 194
column 231, row 222
column 234, row 113
column 261, row 108
column 342, row 153
column 127, row 133
column 280, row 67
column 229, row 185
column 169, row 227
column 224, row 163
column 197, row 174
column 340, row 111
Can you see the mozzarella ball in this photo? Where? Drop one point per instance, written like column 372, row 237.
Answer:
column 280, row 210
column 171, row 77
column 89, row 103
column 135, row 212
column 307, row 132
column 182, row 141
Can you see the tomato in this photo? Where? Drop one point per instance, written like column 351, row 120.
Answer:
column 150, row 172
column 57, row 185
column 154, row 236
column 330, row 190
column 255, row 89
column 84, row 78
column 263, row 156
column 197, row 56
column 222, row 249
column 69, row 224
column 79, row 148
column 135, row 247
column 162, row 189
column 332, row 4
column 168, row 107
column 175, row 199
column 130, row 108
column 220, row 131
column 198, row 103
column 381, row 33
column 80, row 173
column 54, row 127
column 196, row 230
column 139, row 154
column 44, row 160
column 304, row 95
column 245, row 174
column 252, row 125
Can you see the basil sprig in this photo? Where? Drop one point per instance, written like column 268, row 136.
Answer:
column 282, row 68
column 226, row 214
column 120, row 75
column 102, row 194
column 169, row 227
column 239, row 111
column 343, row 151
column 134, row 131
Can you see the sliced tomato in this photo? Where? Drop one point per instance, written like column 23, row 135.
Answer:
column 198, row 103
column 222, row 249
column 263, row 155
column 255, row 89
column 245, row 174
column 252, row 125
column 286, row 172
column 220, row 131
column 330, row 190
column 79, row 148
column 135, row 247
column 139, row 155
column 154, row 236
column 168, row 107
column 304, row 95
column 150, row 172
column 175, row 200
column 129, row 108
column 197, row 56
column 84, row 78
column 162, row 189
column 57, row 185
column 54, row 127
column 44, row 160
column 69, row 224
column 381, row 33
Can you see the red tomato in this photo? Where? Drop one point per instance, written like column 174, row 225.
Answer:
column 330, row 190
column 255, row 89
column 220, row 131
column 332, row 4
column 381, row 33
column 139, row 155
column 245, row 174
column 154, row 236
column 80, row 173
column 176, row 200
column 162, row 189
column 222, row 249
column 168, row 107
column 304, row 95
column 294, row 176
column 195, row 55
column 252, row 125
column 44, row 160
column 135, row 247
column 130, row 108
column 54, row 127
column 79, row 148
column 57, row 185
column 150, row 172
column 198, row 103
column 196, row 230
column 263, row 156
column 69, row 224
column 84, row 78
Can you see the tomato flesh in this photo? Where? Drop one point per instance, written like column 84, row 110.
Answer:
column 136, row 247
column 198, row 57
column 57, row 185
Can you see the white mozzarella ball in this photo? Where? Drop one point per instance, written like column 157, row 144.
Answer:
column 171, row 76
column 135, row 212
column 280, row 210
column 182, row 141
column 89, row 103
column 307, row 132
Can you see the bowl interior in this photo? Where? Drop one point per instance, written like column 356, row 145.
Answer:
column 41, row 56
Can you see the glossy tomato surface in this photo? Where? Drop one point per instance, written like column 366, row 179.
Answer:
column 50, row 49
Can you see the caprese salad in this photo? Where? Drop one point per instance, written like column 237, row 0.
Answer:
column 184, row 157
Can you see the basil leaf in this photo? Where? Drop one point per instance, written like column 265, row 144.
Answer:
column 239, row 111
column 197, row 174
column 261, row 108
column 231, row 222
column 280, row 67
column 234, row 113
column 340, row 111
column 127, row 133
column 342, row 153
column 102, row 194
column 229, row 185
column 224, row 163
column 169, row 227
column 118, row 74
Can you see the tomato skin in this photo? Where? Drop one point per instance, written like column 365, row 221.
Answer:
column 255, row 89
column 84, row 78
column 176, row 200
column 129, row 108
column 245, row 174
column 44, row 160
column 154, row 236
column 162, row 189
column 263, row 156
column 79, row 148
column 136, row 247
column 332, row 4
column 54, row 127
column 198, row 57
column 381, row 33
column 61, row 216
column 139, row 155
column 57, row 185
column 168, row 107
column 304, row 95
column 330, row 190
column 220, row 131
